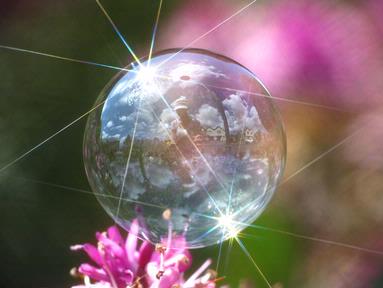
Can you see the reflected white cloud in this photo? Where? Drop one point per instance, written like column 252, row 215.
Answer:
column 193, row 145
column 196, row 72
column 209, row 116
column 240, row 115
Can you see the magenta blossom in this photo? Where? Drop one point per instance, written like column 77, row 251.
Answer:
column 130, row 262
column 329, row 52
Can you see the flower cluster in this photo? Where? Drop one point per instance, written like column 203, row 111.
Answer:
column 130, row 262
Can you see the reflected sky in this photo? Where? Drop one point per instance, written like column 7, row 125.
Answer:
column 167, row 135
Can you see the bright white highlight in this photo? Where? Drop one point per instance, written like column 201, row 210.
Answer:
column 227, row 226
column 146, row 75
column 147, row 79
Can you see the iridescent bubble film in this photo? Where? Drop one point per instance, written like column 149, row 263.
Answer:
column 189, row 142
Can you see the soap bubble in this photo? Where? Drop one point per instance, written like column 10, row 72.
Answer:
column 189, row 143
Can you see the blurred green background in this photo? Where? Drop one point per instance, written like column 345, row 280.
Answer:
column 339, row 197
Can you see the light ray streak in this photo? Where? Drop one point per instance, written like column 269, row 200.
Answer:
column 236, row 170
column 208, row 32
column 244, row 208
column 162, row 77
column 230, row 196
column 227, row 258
column 218, row 225
column 220, row 250
column 321, row 240
column 207, row 216
column 154, row 32
column 325, row 241
column 196, row 148
column 118, row 32
column 309, row 164
column 63, row 58
column 195, row 275
column 187, row 163
column 248, row 236
column 281, row 99
column 211, row 230
column 85, row 191
column 218, row 179
column 129, row 156
column 322, row 155
column 252, row 261
column 49, row 138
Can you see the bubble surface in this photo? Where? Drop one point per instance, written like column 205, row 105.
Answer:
column 189, row 142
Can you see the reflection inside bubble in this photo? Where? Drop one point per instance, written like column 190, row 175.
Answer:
column 183, row 142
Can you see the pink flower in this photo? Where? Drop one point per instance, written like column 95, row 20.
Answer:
column 375, row 8
column 121, row 263
column 326, row 51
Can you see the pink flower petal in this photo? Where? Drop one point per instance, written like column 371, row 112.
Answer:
column 121, row 264
column 182, row 261
column 127, row 277
column 93, row 272
column 112, row 247
column 145, row 253
column 115, row 235
column 93, row 253
column 131, row 244
column 91, row 250
column 170, row 277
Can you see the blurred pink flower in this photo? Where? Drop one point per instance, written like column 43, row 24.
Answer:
column 121, row 263
column 302, row 49
column 376, row 11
